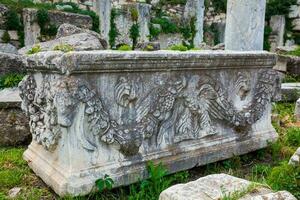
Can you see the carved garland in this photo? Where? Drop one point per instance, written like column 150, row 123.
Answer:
column 54, row 105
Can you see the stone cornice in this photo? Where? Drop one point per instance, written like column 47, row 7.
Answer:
column 137, row 61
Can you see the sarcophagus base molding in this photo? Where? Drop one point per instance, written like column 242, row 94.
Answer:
column 108, row 112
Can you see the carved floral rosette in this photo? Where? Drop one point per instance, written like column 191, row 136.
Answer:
column 53, row 104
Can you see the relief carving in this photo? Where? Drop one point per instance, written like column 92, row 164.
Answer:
column 191, row 106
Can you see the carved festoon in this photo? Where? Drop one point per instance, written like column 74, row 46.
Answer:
column 190, row 106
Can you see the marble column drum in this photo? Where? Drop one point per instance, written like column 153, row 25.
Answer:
column 109, row 112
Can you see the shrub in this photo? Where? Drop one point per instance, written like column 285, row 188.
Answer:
column 278, row 7
column 285, row 177
column 5, row 37
column 134, row 14
column 113, row 32
column 105, row 183
column 154, row 32
column 125, row 47
column 35, row 49
column 10, row 80
column 178, row 47
column 267, row 33
column 12, row 20
column 134, row 34
column 167, row 26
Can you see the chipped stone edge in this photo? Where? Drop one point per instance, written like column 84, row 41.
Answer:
column 68, row 183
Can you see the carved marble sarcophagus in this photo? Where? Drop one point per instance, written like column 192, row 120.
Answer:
column 108, row 112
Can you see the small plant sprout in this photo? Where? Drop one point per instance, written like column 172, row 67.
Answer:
column 35, row 49
column 178, row 47
column 105, row 183
column 64, row 48
column 125, row 47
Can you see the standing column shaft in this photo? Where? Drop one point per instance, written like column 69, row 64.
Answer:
column 245, row 25
column 104, row 11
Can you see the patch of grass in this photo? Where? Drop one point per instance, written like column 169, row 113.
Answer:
column 10, row 178
column 285, row 177
column 35, row 49
column 288, row 78
column 239, row 194
column 293, row 137
column 295, row 52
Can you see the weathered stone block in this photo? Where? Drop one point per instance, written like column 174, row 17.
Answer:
column 11, row 63
column 110, row 112
column 290, row 92
column 277, row 23
column 219, row 186
column 14, row 127
column 245, row 24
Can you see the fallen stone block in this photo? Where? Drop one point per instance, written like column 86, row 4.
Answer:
column 14, row 127
column 11, row 63
column 219, row 186
column 79, row 42
column 290, row 92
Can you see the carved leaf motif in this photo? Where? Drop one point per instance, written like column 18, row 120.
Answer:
column 125, row 91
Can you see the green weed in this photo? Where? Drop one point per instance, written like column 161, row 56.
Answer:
column 10, row 80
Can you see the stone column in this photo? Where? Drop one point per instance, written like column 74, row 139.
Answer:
column 144, row 21
column 245, row 25
column 104, row 10
column 195, row 8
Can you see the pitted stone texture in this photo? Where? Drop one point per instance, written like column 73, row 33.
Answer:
column 80, row 42
column 8, row 48
column 69, row 29
column 11, row 63
column 245, row 25
column 217, row 186
column 103, row 9
column 168, row 40
column 277, row 23
column 110, row 112
column 295, row 159
column 144, row 16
